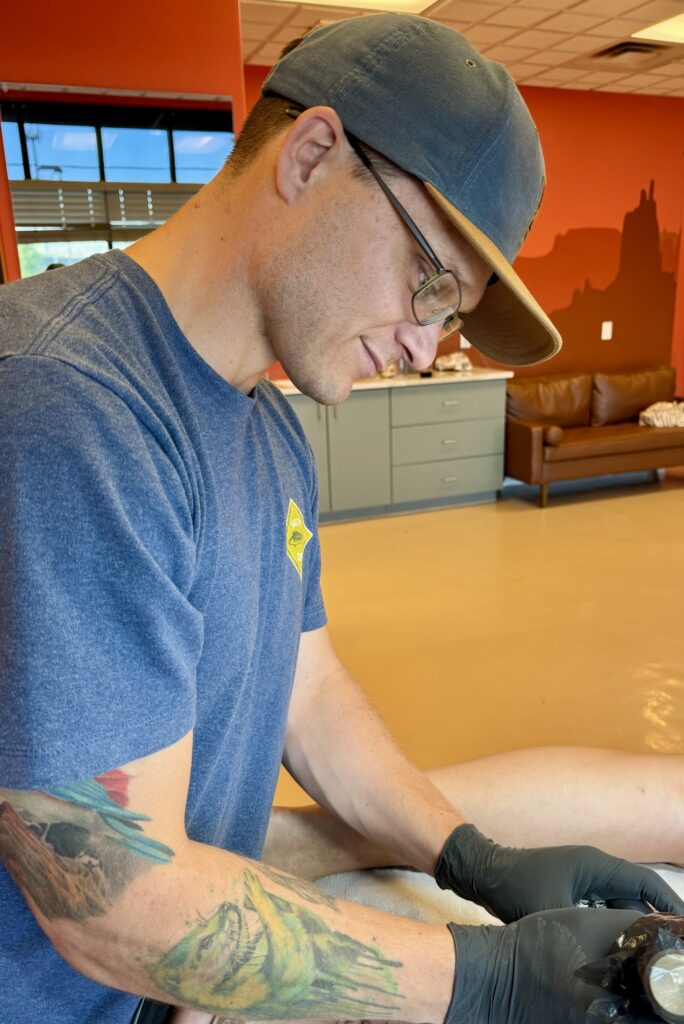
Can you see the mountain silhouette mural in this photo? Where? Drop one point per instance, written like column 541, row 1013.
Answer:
column 623, row 280
column 640, row 301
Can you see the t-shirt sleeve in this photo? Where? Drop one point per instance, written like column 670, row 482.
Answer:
column 99, row 638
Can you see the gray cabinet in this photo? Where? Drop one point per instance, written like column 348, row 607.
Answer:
column 407, row 446
column 359, row 450
column 447, row 441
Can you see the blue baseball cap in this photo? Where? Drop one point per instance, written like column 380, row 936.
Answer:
column 422, row 96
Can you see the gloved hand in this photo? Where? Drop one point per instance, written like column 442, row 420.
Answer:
column 524, row 973
column 511, row 883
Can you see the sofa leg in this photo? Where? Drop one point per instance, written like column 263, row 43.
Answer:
column 543, row 495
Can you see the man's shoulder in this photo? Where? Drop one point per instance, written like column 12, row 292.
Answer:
column 37, row 312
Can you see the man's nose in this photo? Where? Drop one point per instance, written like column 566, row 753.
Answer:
column 421, row 342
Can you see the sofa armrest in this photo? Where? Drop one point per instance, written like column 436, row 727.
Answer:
column 525, row 450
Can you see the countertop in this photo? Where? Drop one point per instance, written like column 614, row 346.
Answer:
column 411, row 380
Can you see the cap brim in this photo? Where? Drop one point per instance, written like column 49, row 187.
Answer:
column 508, row 324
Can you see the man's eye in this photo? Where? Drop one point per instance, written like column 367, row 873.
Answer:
column 422, row 278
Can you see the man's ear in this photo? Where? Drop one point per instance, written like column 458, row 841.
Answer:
column 314, row 147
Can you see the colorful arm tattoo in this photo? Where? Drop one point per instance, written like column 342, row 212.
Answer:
column 266, row 958
column 74, row 849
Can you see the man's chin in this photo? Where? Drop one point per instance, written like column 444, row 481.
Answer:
column 326, row 392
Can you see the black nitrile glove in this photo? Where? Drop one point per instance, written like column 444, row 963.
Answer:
column 524, row 973
column 511, row 883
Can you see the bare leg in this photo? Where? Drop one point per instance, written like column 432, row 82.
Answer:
column 631, row 805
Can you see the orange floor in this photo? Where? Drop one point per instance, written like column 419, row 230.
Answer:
column 501, row 626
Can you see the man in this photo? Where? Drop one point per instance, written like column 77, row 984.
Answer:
column 164, row 635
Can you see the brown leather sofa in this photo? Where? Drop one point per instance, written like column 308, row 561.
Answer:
column 570, row 425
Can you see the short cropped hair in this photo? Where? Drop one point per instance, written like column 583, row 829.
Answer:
column 268, row 117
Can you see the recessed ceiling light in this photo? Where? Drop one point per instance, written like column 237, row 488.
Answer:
column 669, row 31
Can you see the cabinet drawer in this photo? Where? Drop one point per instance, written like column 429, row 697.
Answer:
column 437, row 403
column 459, row 439
column 447, row 479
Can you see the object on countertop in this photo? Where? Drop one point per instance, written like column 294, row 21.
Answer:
column 643, row 972
column 457, row 361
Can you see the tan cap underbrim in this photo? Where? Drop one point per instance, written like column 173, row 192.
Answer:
column 507, row 324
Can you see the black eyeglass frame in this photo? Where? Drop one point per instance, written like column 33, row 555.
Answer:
column 449, row 326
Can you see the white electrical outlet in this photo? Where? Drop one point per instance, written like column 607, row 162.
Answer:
column 607, row 330
column 464, row 343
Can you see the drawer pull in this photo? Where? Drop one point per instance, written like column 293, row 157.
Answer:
column 450, row 440
column 449, row 479
column 451, row 401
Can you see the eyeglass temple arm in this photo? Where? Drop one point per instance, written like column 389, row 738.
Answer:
column 410, row 224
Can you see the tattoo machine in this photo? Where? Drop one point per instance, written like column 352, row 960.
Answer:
column 643, row 973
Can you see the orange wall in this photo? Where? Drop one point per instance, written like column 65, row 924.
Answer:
column 167, row 46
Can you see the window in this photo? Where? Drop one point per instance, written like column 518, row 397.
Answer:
column 87, row 177
column 62, row 152
column 136, row 154
column 199, row 155
column 12, row 144
column 36, row 257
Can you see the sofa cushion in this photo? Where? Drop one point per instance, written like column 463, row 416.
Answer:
column 592, row 442
column 560, row 398
column 617, row 397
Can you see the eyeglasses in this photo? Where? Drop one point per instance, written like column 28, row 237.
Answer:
column 438, row 298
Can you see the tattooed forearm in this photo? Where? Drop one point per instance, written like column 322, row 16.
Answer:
column 74, row 849
column 266, row 958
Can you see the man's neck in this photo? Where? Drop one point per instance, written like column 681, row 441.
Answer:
column 200, row 260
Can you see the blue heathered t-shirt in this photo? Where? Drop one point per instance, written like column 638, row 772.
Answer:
column 146, row 587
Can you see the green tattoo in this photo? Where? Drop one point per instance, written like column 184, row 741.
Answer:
column 271, row 959
column 73, row 850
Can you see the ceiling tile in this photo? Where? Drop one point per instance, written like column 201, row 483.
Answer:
column 270, row 14
column 656, row 10
column 286, row 35
column 675, row 69
column 603, row 77
column 537, row 39
column 547, row 5
column 253, row 32
column 616, row 87
column 523, row 69
column 608, row 8
column 568, row 21
column 617, row 28
column 304, row 17
column 641, row 81
column 655, row 90
column 508, row 54
column 518, row 17
column 552, row 58
column 460, row 26
column 466, row 11
column 271, row 51
column 580, row 44
column 329, row 13
column 488, row 35
column 550, row 78
column 562, row 74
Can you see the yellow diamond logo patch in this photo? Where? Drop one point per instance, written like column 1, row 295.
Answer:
column 298, row 536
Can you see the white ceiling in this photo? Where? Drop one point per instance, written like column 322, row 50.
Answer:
column 541, row 42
